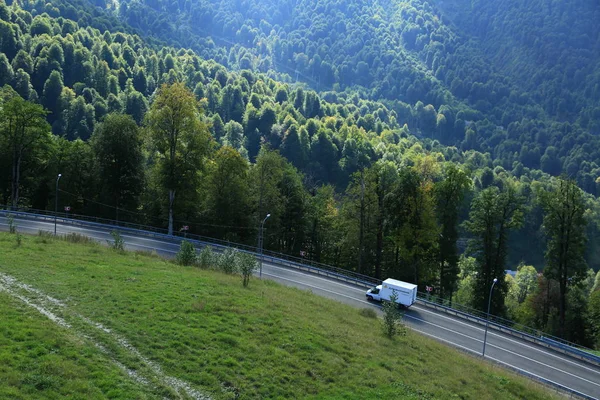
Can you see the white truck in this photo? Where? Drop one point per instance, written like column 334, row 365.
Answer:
column 406, row 292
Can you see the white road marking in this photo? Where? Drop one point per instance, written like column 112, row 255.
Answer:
column 444, row 328
column 346, row 286
column 454, row 320
column 496, row 360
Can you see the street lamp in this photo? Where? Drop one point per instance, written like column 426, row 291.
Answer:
column 56, row 203
column 260, row 243
column 487, row 321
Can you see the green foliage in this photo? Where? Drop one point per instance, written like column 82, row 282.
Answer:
column 207, row 258
column 117, row 148
column 493, row 214
column 468, row 269
column 246, row 265
column 594, row 316
column 227, row 261
column 118, row 243
column 186, row 254
column 23, row 132
column 449, row 195
column 596, row 285
column 392, row 318
column 12, row 227
column 227, row 194
column 178, row 138
column 564, row 224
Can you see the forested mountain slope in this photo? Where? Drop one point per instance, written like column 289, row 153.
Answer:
column 529, row 100
column 550, row 48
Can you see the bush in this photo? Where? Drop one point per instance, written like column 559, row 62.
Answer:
column 12, row 227
column 227, row 261
column 246, row 264
column 19, row 238
column 118, row 243
column 186, row 254
column 206, row 258
column 392, row 318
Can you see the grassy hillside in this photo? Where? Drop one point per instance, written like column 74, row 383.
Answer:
column 136, row 326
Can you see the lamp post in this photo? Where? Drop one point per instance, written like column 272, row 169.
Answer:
column 260, row 243
column 56, row 202
column 487, row 321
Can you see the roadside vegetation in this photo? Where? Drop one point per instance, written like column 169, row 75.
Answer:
column 132, row 325
column 388, row 164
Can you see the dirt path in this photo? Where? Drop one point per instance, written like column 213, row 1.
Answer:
column 101, row 337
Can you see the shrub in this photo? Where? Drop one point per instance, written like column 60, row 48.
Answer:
column 246, row 264
column 118, row 243
column 12, row 227
column 186, row 254
column 392, row 318
column 206, row 258
column 19, row 238
column 227, row 261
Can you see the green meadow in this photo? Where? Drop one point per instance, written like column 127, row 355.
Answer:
column 83, row 321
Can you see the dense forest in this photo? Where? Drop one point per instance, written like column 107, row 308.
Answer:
column 364, row 154
column 528, row 97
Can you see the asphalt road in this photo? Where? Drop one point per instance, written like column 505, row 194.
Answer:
column 523, row 356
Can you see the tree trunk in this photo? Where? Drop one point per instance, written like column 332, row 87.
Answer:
column 361, row 235
column 15, row 181
column 171, row 201
column 379, row 250
column 562, row 305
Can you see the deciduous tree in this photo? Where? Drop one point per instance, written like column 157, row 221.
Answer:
column 564, row 224
column 23, row 127
column 493, row 214
column 117, row 146
column 179, row 138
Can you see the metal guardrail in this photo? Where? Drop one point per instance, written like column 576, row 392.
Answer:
column 316, row 267
column 331, row 272
column 540, row 340
column 200, row 241
column 499, row 320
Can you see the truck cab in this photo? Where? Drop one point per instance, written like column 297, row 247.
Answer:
column 373, row 293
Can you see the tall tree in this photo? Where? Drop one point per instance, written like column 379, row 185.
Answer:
column 323, row 213
column 493, row 214
column 292, row 225
column 385, row 180
column 181, row 140
column 117, row 146
column 415, row 230
column 594, row 317
column 23, row 127
column 449, row 195
column 227, row 195
column 266, row 176
column 359, row 217
column 564, row 224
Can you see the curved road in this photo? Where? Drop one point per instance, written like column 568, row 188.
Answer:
column 523, row 356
